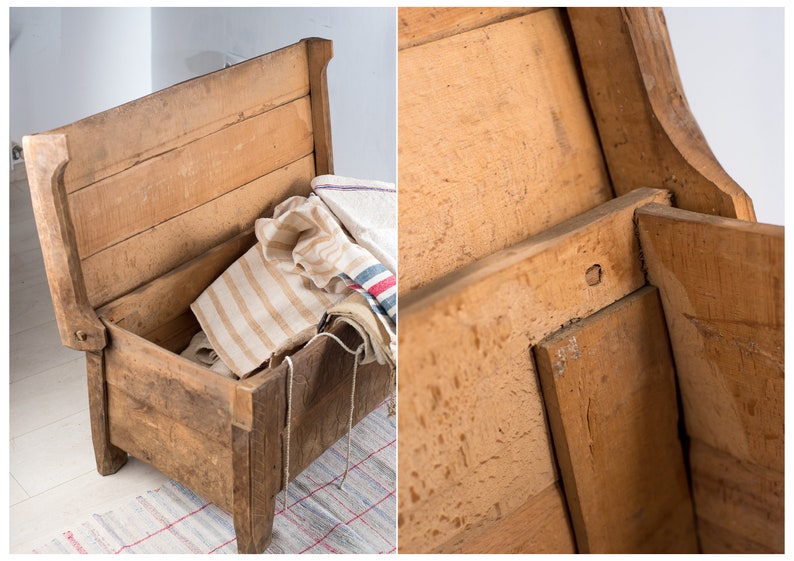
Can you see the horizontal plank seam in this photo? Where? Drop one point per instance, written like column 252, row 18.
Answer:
column 208, row 201
column 485, row 23
column 222, row 128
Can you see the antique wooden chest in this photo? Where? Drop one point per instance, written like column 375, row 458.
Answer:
column 139, row 209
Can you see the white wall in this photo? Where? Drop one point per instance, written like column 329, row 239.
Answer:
column 69, row 63
column 187, row 42
column 732, row 68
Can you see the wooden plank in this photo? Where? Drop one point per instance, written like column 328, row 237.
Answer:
column 319, row 410
column 722, row 286
column 541, row 525
column 320, row 52
column 109, row 458
column 472, row 431
column 740, row 505
column 647, row 130
column 165, row 120
column 175, row 334
column 162, row 381
column 418, row 26
column 258, row 454
column 45, row 159
column 502, row 144
column 160, row 188
column 175, row 449
column 152, row 305
column 322, row 381
column 152, row 253
column 609, row 388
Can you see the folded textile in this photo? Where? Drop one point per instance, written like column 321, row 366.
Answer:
column 200, row 350
column 305, row 238
column 378, row 337
column 255, row 310
column 368, row 209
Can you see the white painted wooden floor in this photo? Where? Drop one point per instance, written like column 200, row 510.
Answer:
column 53, row 479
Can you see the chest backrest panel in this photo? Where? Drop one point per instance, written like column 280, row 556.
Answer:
column 502, row 143
column 156, row 182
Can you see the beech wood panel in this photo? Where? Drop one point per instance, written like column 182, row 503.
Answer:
column 740, row 504
column 496, row 143
column 160, row 188
column 722, row 286
column 174, row 448
column 647, row 130
column 78, row 325
column 155, row 251
column 472, row 431
column 418, row 26
column 609, row 388
column 109, row 458
column 541, row 525
column 183, row 390
column 152, row 305
column 178, row 115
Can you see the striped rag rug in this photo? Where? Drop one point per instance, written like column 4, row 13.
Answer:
column 320, row 518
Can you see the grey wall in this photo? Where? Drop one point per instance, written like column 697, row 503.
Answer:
column 69, row 63
column 732, row 69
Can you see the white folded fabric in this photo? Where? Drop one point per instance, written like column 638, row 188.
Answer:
column 368, row 209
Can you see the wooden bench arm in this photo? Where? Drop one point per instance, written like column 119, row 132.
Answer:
column 46, row 159
column 648, row 133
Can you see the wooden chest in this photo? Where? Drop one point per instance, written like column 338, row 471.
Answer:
column 139, row 209
column 591, row 337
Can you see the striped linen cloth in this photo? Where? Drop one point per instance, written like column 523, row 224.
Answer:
column 273, row 298
column 306, row 238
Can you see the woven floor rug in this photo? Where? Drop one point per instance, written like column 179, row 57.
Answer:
column 320, row 518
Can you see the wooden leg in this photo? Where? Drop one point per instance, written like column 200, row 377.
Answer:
column 256, row 445
column 109, row 458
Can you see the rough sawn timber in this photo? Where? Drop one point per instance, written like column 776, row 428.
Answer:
column 722, row 286
column 473, row 440
column 610, row 392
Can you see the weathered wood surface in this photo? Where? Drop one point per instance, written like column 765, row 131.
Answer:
column 722, row 287
column 185, row 391
column 740, row 504
column 168, row 185
column 152, row 305
column 155, row 251
column 183, row 113
column 320, row 52
column 647, row 130
column 418, row 26
column 258, row 451
column 109, row 457
column 322, row 378
column 78, row 325
column 473, row 438
column 497, row 143
column 541, row 525
column 171, row 413
column 609, row 388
